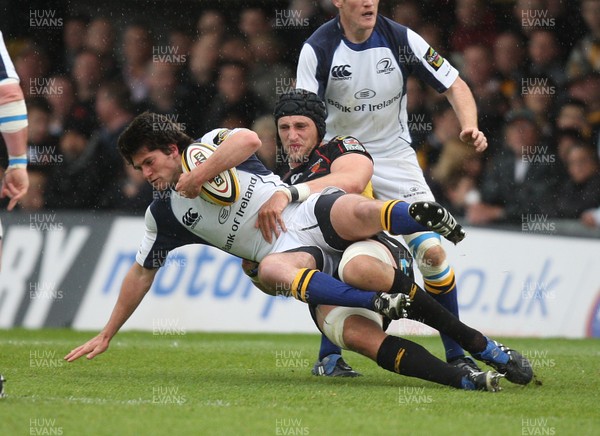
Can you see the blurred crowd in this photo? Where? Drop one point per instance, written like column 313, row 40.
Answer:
column 532, row 65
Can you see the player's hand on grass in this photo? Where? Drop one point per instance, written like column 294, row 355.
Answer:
column 14, row 185
column 92, row 348
column 269, row 216
column 474, row 137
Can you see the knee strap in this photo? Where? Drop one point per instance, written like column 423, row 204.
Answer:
column 366, row 248
column 333, row 325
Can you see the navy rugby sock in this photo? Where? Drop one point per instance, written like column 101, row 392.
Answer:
column 315, row 287
column 328, row 347
column 442, row 287
column 453, row 349
column 396, row 219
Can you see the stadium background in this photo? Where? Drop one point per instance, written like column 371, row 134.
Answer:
column 67, row 247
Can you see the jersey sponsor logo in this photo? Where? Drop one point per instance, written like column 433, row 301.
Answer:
column 352, row 144
column 191, row 218
column 224, row 214
column 341, row 72
column 433, row 58
column 385, row 66
column 363, row 107
column 365, row 94
column 238, row 218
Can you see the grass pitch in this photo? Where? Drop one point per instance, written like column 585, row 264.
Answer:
column 247, row 384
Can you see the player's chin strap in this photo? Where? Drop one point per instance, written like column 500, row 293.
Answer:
column 296, row 193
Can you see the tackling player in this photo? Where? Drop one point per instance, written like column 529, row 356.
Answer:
column 319, row 227
column 342, row 162
column 13, row 126
column 358, row 64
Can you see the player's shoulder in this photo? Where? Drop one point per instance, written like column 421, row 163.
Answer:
column 158, row 209
column 328, row 34
column 216, row 136
column 395, row 33
column 385, row 22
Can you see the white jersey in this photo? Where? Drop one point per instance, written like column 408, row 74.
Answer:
column 7, row 69
column 364, row 85
column 173, row 221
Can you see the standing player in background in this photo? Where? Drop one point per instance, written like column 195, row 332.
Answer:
column 13, row 126
column 358, row 63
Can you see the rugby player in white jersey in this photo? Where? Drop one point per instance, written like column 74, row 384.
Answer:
column 13, row 126
column 358, row 64
column 302, row 259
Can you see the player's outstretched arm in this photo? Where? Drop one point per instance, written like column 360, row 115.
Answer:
column 460, row 97
column 136, row 284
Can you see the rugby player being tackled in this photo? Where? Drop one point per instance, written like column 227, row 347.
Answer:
column 302, row 259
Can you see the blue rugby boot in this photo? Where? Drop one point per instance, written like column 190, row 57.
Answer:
column 511, row 363
column 334, row 366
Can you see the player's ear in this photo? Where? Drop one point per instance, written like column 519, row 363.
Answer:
column 173, row 150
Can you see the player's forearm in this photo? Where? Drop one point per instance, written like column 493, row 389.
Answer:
column 234, row 150
column 351, row 184
column 460, row 97
column 351, row 172
column 136, row 284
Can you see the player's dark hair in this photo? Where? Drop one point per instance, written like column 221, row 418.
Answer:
column 153, row 131
column 305, row 103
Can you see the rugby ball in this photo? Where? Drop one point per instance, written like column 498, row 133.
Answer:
column 223, row 189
